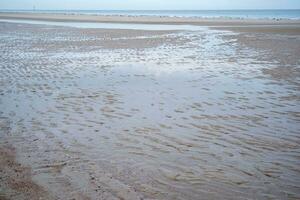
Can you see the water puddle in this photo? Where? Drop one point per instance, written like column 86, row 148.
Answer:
column 176, row 120
column 153, row 27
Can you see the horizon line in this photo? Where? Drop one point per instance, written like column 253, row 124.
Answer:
column 27, row 9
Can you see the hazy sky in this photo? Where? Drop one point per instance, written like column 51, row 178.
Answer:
column 150, row 4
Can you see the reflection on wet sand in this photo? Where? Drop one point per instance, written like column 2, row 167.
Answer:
column 151, row 114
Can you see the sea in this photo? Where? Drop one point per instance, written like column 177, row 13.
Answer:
column 238, row 14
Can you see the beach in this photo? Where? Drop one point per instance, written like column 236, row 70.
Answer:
column 197, row 108
column 221, row 21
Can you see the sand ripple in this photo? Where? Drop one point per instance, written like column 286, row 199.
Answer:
column 143, row 114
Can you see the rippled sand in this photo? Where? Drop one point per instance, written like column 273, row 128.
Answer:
column 128, row 114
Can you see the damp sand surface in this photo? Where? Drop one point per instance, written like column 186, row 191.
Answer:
column 144, row 19
column 146, row 114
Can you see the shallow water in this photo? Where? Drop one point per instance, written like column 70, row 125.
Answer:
column 197, row 119
column 157, row 27
column 245, row 14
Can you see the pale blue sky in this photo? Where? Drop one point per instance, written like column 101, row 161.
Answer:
column 150, row 4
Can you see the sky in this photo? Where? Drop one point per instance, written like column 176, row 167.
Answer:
column 149, row 4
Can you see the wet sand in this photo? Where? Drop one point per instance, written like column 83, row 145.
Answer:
column 147, row 19
column 136, row 114
column 16, row 180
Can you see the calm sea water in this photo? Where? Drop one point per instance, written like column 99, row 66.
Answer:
column 253, row 14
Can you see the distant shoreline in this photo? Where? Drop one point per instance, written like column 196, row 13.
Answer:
column 271, row 14
column 145, row 19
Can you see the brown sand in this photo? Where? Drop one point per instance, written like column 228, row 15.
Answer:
column 86, row 125
column 15, row 179
column 146, row 19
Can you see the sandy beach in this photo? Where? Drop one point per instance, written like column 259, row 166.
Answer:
column 98, row 113
column 147, row 19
